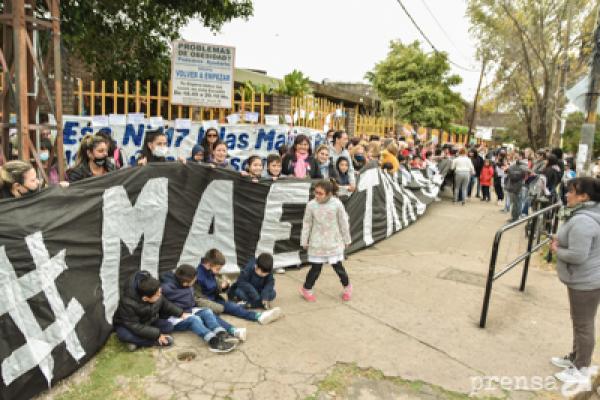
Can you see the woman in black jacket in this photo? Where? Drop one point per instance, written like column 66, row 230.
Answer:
column 92, row 159
column 154, row 148
column 321, row 166
column 553, row 174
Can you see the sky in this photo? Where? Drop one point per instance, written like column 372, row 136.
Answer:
column 340, row 40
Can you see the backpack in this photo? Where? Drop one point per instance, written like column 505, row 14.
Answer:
column 538, row 188
column 515, row 174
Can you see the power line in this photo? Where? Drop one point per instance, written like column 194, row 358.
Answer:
column 429, row 41
column 443, row 30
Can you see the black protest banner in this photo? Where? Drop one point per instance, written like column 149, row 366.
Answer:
column 65, row 252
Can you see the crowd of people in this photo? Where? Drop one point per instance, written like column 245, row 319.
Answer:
column 193, row 297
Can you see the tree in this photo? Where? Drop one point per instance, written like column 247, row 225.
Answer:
column 530, row 42
column 419, row 84
column 572, row 134
column 294, row 84
column 130, row 39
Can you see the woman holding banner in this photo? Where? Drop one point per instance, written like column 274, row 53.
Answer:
column 297, row 161
column 92, row 159
column 154, row 149
column 209, row 141
column 18, row 179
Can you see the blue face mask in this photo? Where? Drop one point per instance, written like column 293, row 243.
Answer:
column 358, row 157
column 44, row 156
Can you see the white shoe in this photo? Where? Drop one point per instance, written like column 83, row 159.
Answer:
column 280, row 270
column 580, row 376
column 562, row 362
column 269, row 316
column 240, row 333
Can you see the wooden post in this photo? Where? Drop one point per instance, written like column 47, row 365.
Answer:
column 22, row 107
column 58, row 78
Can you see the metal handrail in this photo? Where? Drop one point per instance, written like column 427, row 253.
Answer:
column 531, row 248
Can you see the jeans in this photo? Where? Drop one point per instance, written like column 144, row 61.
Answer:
column 315, row 271
column 236, row 310
column 250, row 295
column 516, row 205
column 525, row 199
column 583, row 305
column 472, row 180
column 461, row 180
column 203, row 324
column 125, row 335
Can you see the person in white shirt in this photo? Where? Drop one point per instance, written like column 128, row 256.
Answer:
column 463, row 170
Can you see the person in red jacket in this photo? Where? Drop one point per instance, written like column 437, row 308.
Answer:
column 485, row 179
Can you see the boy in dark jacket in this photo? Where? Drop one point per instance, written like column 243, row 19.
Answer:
column 140, row 319
column 208, row 287
column 255, row 286
column 177, row 287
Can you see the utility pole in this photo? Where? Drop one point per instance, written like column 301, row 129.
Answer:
column 559, row 98
column 476, row 100
column 586, row 144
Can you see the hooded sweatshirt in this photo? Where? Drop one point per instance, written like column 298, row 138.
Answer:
column 578, row 255
column 177, row 294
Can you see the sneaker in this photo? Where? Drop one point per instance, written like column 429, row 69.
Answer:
column 562, row 362
column 347, row 295
column 218, row 345
column 307, row 294
column 240, row 333
column 269, row 316
column 132, row 347
column 280, row 270
column 579, row 376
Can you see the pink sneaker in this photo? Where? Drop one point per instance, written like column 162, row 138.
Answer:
column 307, row 294
column 347, row 295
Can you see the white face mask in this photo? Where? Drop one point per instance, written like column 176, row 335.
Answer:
column 160, row 151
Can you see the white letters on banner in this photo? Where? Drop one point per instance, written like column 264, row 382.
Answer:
column 273, row 229
column 16, row 291
column 242, row 140
column 123, row 223
column 199, row 240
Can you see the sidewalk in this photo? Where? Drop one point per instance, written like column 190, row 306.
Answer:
column 414, row 314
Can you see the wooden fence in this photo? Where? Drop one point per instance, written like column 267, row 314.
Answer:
column 315, row 112
column 154, row 100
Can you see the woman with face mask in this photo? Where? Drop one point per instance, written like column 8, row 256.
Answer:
column 92, row 159
column 49, row 163
column 18, row 179
column 154, row 149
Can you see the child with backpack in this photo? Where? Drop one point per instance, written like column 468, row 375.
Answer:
column 325, row 235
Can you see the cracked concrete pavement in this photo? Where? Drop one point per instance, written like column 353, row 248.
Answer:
column 414, row 314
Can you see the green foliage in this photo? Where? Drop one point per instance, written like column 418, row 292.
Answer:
column 419, row 84
column 572, row 134
column 525, row 43
column 249, row 87
column 115, row 375
column 294, row 84
column 130, row 39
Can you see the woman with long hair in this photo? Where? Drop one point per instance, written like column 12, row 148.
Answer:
column 92, row 159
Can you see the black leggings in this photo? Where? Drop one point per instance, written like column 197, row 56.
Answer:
column 315, row 271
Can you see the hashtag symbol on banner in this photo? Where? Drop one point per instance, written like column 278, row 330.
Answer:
column 36, row 352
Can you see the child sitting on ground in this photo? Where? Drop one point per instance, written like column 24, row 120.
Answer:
column 140, row 320
column 208, row 287
column 177, row 287
column 255, row 287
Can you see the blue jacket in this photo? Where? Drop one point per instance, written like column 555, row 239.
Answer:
column 207, row 282
column 182, row 297
column 249, row 278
